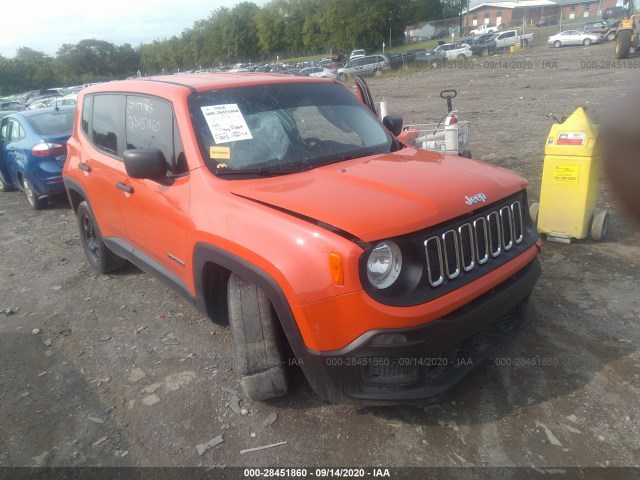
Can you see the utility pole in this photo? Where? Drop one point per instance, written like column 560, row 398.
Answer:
column 390, row 12
column 560, row 23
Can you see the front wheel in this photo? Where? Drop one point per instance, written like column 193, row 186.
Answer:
column 377, row 72
column 600, row 225
column 557, row 44
column 587, row 42
column 534, row 210
column 611, row 36
column 255, row 339
column 101, row 259
column 623, row 44
column 36, row 202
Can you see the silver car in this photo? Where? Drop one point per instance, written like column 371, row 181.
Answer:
column 373, row 65
column 454, row 51
column 573, row 37
column 319, row 72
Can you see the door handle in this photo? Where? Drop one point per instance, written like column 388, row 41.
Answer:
column 124, row 188
column 84, row 167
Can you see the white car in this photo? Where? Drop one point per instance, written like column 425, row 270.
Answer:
column 455, row 51
column 488, row 28
column 357, row 54
column 319, row 72
column 573, row 37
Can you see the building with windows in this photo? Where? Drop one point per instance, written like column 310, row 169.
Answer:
column 529, row 12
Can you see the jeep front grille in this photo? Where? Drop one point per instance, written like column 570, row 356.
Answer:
column 473, row 243
column 444, row 257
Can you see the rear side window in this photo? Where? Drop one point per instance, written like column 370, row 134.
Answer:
column 16, row 132
column 86, row 114
column 108, row 110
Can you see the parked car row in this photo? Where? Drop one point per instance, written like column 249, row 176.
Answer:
column 33, row 149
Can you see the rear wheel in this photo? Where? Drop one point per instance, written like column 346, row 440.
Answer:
column 557, row 44
column 623, row 44
column 101, row 259
column 587, row 42
column 255, row 340
column 35, row 202
column 4, row 186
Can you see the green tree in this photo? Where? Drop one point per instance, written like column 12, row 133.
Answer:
column 270, row 28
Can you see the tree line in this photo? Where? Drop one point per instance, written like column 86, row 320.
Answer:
column 246, row 32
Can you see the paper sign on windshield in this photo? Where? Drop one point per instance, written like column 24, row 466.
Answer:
column 226, row 123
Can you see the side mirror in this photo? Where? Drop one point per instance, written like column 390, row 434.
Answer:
column 145, row 163
column 393, row 123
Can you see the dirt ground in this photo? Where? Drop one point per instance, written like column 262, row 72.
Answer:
column 123, row 372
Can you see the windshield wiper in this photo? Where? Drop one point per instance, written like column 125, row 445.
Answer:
column 258, row 172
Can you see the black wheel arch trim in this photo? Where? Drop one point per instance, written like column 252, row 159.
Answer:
column 205, row 253
column 127, row 251
column 71, row 185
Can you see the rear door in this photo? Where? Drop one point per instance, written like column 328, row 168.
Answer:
column 99, row 159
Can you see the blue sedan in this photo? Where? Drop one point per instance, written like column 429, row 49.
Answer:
column 33, row 149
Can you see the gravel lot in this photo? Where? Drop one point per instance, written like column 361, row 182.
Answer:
column 123, row 372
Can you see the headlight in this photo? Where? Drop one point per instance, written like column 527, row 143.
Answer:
column 384, row 264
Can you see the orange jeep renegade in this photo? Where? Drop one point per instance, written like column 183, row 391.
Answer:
column 283, row 207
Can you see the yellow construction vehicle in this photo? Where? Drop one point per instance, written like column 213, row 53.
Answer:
column 628, row 32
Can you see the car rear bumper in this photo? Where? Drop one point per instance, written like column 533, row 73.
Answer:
column 47, row 178
column 410, row 364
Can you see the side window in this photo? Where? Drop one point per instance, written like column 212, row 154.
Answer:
column 107, row 118
column 151, row 124
column 16, row 132
column 510, row 34
column 87, row 104
column 4, row 130
column 180, row 159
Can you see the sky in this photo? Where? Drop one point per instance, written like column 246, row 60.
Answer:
column 46, row 25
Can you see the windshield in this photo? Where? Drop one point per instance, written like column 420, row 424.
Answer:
column 283, row 128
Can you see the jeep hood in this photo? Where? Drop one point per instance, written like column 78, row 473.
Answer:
column 387, row 195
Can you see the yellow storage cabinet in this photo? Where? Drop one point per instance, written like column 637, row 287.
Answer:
column 569, row 182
